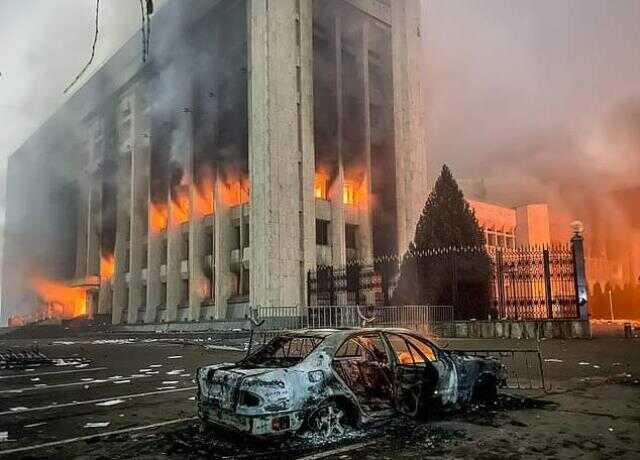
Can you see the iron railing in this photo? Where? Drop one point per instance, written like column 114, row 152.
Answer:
column 429, row 320
column 526, row 282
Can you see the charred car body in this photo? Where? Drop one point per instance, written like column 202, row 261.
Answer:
column 325, row 380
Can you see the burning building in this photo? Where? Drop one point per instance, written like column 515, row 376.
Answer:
column 258, row 140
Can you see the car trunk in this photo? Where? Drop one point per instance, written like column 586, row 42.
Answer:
column 220, row 387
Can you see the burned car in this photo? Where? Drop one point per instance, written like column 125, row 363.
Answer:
column 326, row 380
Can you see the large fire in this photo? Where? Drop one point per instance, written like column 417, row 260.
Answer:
column 320, row 186
column 62, row 300
column 158, row 216
column 236, row 192
column 180, row 205
column 107, row 266
column 204, row 197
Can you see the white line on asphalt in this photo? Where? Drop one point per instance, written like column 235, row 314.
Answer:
column 337, row 451
column 16, row 376
column 95, row 436
column 94, row 401
column 61, row 385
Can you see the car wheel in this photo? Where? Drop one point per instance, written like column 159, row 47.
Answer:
column 330, row 419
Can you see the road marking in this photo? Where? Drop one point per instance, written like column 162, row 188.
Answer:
column 16, row 376
column 95, row 436
column 337, row 451
column 94, row 401
column 62, row 385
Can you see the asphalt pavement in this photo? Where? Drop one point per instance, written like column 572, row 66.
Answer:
column 132, row 396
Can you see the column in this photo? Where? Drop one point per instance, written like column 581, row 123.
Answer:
column 410, row 145
column 198, row 288
column 82, row 226
column 154, row 282
column 139, row 220
column 338, row 243
column 279, row 88
column 306, row 145
column 94, row 226
column 365, row 238
column 120, row 298
column 222, row 234
column 579, row 271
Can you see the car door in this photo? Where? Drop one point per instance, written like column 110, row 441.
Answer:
column 362, row 363
column 415, row 378
column 448, row 381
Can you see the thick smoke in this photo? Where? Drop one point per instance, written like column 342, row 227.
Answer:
column 540, row 100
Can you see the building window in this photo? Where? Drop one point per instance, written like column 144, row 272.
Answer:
column 163, row 293
column 320, row 187
column 184, row 295
column 348, row 193
column 350, row 232
column 185, row 245
column 247, row 240
column 491, row 239
column 322, row 232
column 163, row 252
column 245, row 282
column 208, row 240
column 235, row 243
column 145, row 256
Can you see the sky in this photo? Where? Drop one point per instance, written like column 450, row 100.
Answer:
column 527, row 94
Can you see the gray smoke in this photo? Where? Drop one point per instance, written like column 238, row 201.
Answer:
column 540, row 98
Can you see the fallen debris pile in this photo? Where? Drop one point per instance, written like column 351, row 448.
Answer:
column 11, row 358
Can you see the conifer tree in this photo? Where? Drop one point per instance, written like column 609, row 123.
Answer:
column 433, row 273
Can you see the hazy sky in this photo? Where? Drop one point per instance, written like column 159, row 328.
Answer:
column 519, row 89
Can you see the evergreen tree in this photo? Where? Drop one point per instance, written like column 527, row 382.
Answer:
column 431, row 271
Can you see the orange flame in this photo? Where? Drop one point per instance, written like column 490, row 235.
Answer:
column 204, row 197
column 320, row 185
column 180, row 206
column 107, row 266
column 355, row 193
column 63, row 300
column 236, row 192
column 158, row 216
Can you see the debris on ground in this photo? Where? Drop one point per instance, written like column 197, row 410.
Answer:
column 96, row 424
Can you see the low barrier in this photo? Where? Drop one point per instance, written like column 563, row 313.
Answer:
column 550, row 329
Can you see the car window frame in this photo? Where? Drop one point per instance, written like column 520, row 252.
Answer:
column 380, row 336
column 434, row 348
column 247, row 358
column 410, row 346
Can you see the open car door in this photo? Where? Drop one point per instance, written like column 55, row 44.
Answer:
column 415, row 377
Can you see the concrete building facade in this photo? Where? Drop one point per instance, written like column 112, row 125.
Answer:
column 261, row 139
column 526, row 225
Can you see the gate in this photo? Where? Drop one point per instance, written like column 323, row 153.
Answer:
column 534, row 283
column 526, row 282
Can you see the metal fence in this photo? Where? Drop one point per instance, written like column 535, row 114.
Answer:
column 432, row 321
column 534, row 283
column 526, row 282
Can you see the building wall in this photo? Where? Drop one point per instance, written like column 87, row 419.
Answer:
column 199, row 173
column 512, row 227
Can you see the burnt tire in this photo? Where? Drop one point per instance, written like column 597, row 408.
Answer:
column 485, row 389
column 330, row 419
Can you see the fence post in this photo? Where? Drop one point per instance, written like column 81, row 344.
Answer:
column 454, row 281
column 500, row 283
column 308, row 288
column 579, row 271
column 332, row 285
column 547, row 282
